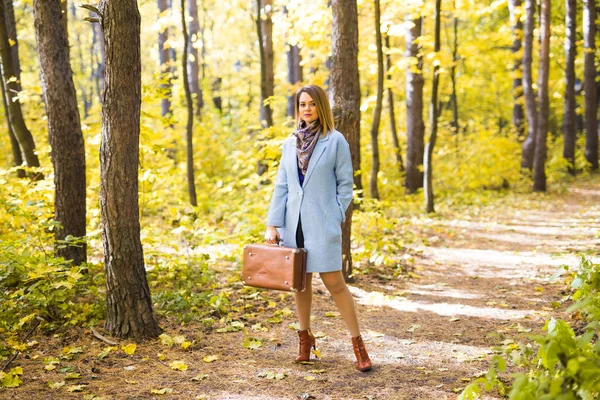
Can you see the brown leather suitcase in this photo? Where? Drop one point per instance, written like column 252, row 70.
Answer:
column 275, row 267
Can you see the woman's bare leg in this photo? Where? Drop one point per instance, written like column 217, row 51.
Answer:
column 304, row 304
column 334, row 282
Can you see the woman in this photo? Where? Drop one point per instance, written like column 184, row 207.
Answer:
column 313, row 189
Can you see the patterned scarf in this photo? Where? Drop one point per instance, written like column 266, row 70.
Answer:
column 307, row 137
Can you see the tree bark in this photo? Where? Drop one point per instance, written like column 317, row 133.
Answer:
column 570, row 101
column 64, row 128
column 530, row 104
column 539, row 162
column 378, row 104
column 433, row 117
column 11, row 26
column 264, row 28
column 164, row 56
column 14, row 143
column 589, row 83
column 294, row 75
column 415, row 126
column 100, row 56
column 397, row 149
column 190, row 111
column 517, row 28
column 194, row 67
column 454, row 98
column 12, row 88
column 129, row 306
column 344, row 94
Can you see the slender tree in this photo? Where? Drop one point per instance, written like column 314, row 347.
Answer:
column 294, row 74
column 193, row 64
column 539, row 162
column 433, row 116
column 397, row 149
column 518, row 119
column 264, row 29
column 589, row 83
column 344, row 93
column 530, row 104
column 11, row 87
column 415, row 127
column 64, row 128
column 190, row 111
column 129, row 306
column 570, row 101
column 455, row 58
column 164, row 58
column 378, row 104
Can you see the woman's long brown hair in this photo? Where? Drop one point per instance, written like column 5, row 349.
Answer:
column 323, row 108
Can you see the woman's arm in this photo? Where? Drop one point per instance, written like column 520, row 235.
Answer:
column 344, row 176
column 276, row 214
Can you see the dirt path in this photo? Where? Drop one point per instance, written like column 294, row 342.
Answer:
column 480, row 281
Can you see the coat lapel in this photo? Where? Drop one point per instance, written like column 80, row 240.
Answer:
column 314, row 158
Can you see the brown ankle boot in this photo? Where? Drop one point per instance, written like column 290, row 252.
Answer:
column 363, row 362
column 307, row 340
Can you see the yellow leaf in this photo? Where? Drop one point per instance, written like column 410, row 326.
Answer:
column 161, row 391
column 131, row 382
column 185, row 345
column 199, row 377
column 309, row 378
column 76, row 388
column 56, row 385
column 129, row 348
column 178, row 365
column 11, row 42
column 50, row 367
column 317, row 353
column 161, row 357
column 209, row 359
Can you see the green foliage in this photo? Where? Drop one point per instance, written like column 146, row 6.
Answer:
column 562, row 364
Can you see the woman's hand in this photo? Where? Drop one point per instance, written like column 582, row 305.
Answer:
column 272, row 235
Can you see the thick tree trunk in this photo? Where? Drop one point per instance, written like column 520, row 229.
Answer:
column 164, row 56
column 378, row 104
column 433, row 117
column 589, row 84
column 12, row 87
column 415, row 127
column 194, row 66
column 530, row 104
column 570, row 101
column 264, row 29
column 397, row 149
column 129, row 306
column 190, row 111
column 344, row 93
column 539, row 162
column 64, row 128
column 294, row 75
column 517, row 28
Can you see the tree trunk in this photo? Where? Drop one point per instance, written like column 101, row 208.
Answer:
column 12, row 87
column 264, row 29
column 517, row 28
column 194, row 68
column 539, row 162
column 433, row 117
column 344, row 93
column 216, row 93
column 415, row 127
column 11, row 26
column 129, row 306
column 99, row 63
column 294, row 75
column 589, row 83
column 454, row 98
column 570, row 102
column 397, row 149
column 530, row 105
column 64, row 128
column 190, row 111
column 378, row 104
column 164, row 56
column 14, row 143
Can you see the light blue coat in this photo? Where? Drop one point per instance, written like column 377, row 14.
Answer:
column 321, row 201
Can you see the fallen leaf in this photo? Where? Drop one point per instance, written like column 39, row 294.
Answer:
column 161, row 357
column 332, row 314
column 185, row 345
column 309, row 378
column 129, row 349
column 166, row 340
column 317, row 371
column 178, row 365
column 199, row 377
column 413, row 327
column 275, row 320
column 73, row 375
column 209, row 359
column 454, row 319
column 56, row 385
column 131, row 382
column 76, row 388
column 129, row 368
column 252, row 344
column 161, row 391
column 50, row 367
column 317, row 353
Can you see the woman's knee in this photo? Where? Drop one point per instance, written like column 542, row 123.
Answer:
column 334, row 282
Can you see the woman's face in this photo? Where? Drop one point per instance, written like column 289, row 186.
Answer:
column 307, row 108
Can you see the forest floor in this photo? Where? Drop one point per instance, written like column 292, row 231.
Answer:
column 477, row 280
